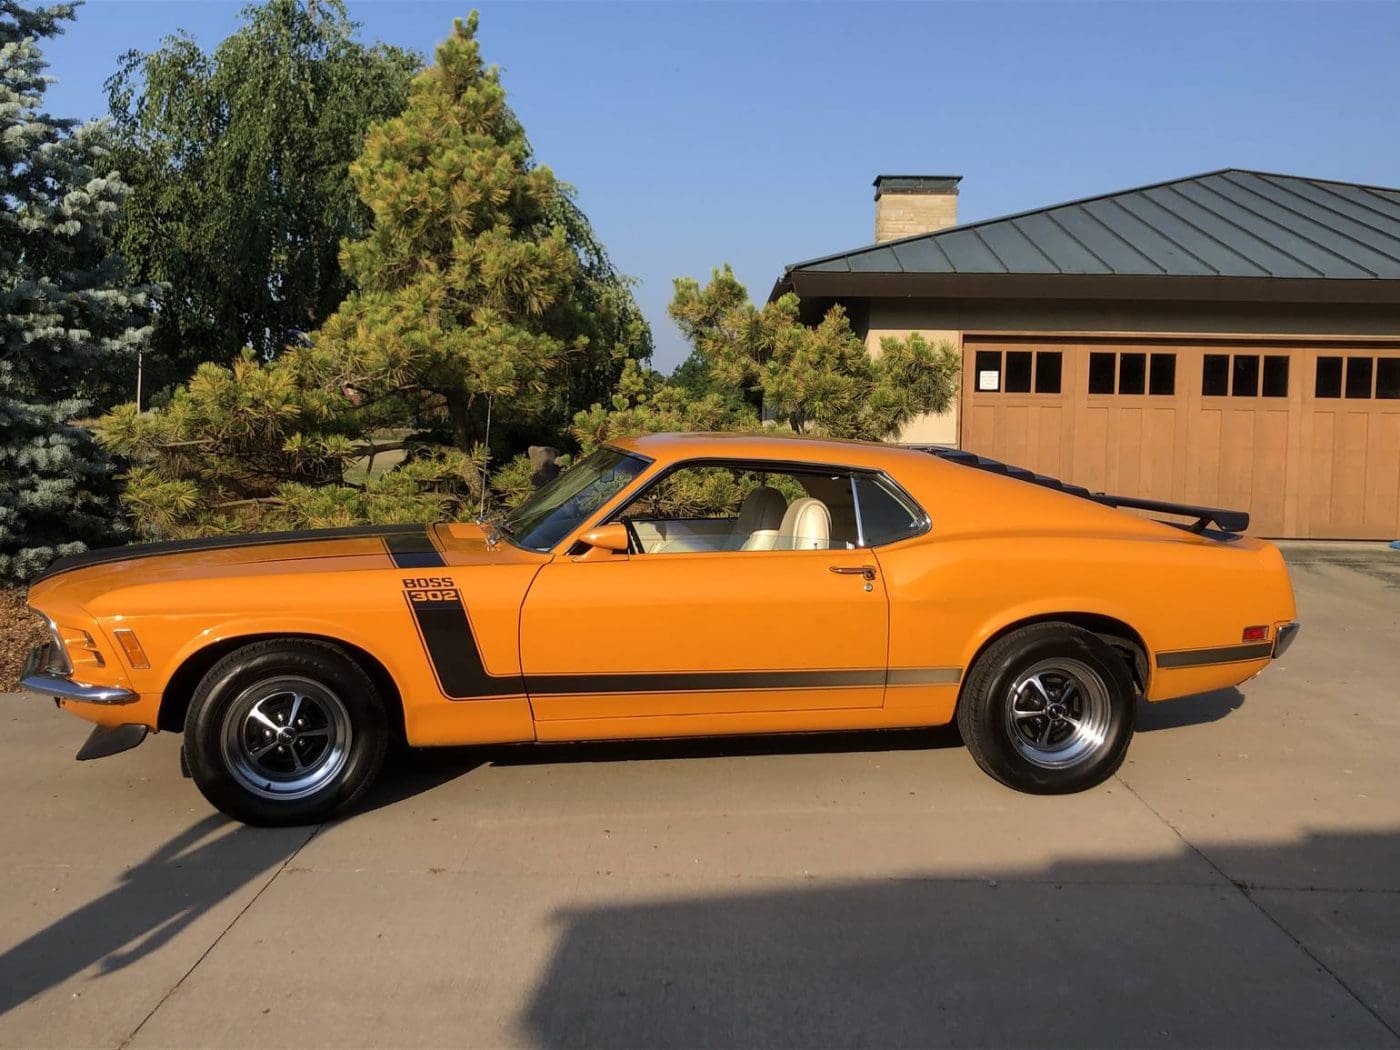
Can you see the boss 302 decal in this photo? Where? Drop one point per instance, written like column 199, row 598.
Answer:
column 447, row 635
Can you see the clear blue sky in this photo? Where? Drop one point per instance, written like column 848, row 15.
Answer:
column 700, row 134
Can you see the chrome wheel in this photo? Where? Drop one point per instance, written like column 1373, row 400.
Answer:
column 1058, row 713
column 286, row 738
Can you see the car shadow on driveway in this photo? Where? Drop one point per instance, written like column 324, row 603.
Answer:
column 1085, row 952
column 213, row 859
column 153, row 901
column 423, row 768
column 727, row 746
column 412, row 771
column 196, row 871
column 1188, row 710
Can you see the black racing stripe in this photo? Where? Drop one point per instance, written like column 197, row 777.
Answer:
column 456, row 658
column 924, row 676
column 414, row 550
column 213, row 543
column 1225, row 654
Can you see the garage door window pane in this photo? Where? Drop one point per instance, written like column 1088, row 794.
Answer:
column 988, row 367
column 1101, row 370
column 1388, row 378
column 1358, row 377
column 1018, row 372
column 1132, row 373
column 1275, row 377
column 1048, row 364
column 1329, row 377
column 1215, row 375
column 1163, row 379
column 1246, row 376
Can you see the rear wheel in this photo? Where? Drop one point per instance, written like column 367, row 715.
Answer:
column 1048, row 709
column 285, row 732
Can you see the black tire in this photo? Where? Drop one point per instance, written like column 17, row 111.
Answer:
column 252, row 763
column 1085, row 690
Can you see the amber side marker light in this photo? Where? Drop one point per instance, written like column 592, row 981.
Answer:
column 135, row 655
column 1256, row 634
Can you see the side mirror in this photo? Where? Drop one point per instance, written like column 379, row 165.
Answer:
column 611, row 538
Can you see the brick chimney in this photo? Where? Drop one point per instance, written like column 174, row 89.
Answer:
column 907, row 205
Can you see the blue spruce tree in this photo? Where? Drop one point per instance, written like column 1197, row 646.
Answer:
column 66, row 310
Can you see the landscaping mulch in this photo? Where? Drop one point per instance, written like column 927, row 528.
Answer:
column 20, row 631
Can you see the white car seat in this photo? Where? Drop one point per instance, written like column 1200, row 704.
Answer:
column 760, row 518
column 806, row 526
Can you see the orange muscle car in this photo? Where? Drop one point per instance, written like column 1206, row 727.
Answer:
column 671, row 585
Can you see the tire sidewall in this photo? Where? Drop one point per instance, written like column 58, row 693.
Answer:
column 1006, row 662
column 228, row 679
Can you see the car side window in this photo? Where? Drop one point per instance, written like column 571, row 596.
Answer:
column 885, row 515
column 748, row 507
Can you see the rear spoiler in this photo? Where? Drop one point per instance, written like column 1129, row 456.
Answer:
column 1225, row 520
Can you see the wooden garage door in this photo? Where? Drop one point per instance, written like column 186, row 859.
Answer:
column 1306, row 438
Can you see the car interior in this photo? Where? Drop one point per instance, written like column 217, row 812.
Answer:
column 708, row 508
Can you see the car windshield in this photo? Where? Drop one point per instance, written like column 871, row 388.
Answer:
column 561, row 506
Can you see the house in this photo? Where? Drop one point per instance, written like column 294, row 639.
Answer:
column 1229, row 339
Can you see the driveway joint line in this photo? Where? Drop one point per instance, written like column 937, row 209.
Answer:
column 222, row 933
column 1243, row 889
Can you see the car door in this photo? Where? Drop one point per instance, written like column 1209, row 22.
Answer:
column 698, row 633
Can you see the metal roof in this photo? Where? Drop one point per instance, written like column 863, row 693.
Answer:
column 1223, row 224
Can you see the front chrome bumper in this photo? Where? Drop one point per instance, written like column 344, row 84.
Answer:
column 40, row 676
column 1283, row 638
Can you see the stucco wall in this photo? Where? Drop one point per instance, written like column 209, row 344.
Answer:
column 931, row 428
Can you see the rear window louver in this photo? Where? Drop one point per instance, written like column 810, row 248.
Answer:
column 1224, row 520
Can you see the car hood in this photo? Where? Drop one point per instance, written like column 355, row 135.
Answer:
column 411, row 547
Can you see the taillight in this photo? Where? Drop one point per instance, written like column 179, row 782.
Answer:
column 1256, row 634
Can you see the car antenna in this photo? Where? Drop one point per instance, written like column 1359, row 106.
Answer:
column 485, row 460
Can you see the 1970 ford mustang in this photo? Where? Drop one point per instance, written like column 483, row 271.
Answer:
column 665, row 586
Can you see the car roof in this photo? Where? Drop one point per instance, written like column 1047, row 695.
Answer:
column 960, row 499
column 667, row 448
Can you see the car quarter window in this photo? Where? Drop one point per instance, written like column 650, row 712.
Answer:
column 743, row 507
column 885, row 514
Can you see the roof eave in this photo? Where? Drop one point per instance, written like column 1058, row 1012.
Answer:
column 838, row 284
column 781, row 287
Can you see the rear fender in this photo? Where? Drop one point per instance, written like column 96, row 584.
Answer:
column 1050, row 609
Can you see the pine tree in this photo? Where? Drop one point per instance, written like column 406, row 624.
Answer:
column 481, row 289
column 66, row 309
column 463, row 303
column 813, row 379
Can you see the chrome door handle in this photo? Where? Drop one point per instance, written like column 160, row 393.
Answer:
column 866, row 571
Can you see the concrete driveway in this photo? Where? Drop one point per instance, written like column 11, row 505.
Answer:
column 1237, row 884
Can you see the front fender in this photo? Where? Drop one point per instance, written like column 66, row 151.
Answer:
column 429, row 718
column 274, row 625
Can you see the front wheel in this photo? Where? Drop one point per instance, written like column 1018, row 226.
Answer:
column 285, row 732
column 1048, row 709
